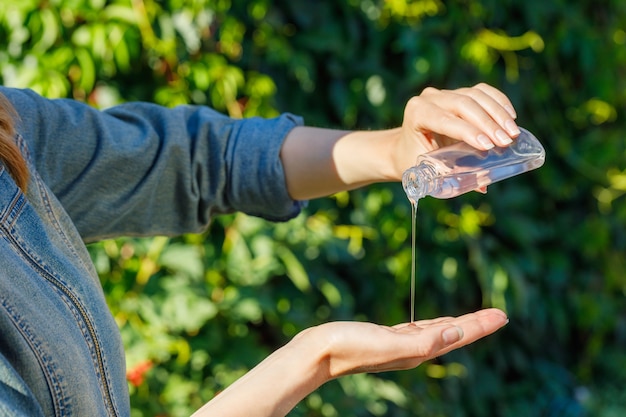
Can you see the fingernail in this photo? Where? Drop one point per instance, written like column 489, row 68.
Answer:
column 510, row 110
column 484, row 141
column 503, row 138
column 452, row 335
column 512, row 128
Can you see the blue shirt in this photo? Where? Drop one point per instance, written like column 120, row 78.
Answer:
column 136, row 169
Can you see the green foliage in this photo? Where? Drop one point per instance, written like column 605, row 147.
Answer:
column 548, row 247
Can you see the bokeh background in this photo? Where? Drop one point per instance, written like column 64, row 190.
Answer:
column 548, row 247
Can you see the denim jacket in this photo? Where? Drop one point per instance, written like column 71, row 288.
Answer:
column 133, row 170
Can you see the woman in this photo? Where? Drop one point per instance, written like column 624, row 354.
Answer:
column 71, row 174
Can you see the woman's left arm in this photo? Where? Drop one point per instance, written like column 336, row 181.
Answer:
column 331, row 350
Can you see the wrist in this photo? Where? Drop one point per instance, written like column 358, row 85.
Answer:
column 365, row 157
column 278, row 383
column 329, row 343
column 319, row 162
column 314, row 345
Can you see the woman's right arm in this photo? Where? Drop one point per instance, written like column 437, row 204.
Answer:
column 143, row 169
column 319, row 162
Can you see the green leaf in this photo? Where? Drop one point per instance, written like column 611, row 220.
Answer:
column 295, row 271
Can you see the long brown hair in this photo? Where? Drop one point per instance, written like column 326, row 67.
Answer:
column 10, row 154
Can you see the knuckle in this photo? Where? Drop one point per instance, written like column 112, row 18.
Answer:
column 481, row 86
column 429, row 91
column 413, row 104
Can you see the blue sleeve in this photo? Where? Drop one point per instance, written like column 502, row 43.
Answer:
column 140, row 169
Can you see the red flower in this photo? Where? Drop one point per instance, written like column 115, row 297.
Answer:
column 136, row 374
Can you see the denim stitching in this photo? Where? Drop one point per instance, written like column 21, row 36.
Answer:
column 59, row 399
column 78, row 310
column 53, row 218
column 92, row 342
column 13, row 210
column 8, row 219
column 21, row 143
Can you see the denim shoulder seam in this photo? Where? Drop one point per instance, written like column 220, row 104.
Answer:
column 54, row 221
column 77, row 308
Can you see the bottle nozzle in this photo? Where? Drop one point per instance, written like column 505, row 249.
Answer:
column 413, row 185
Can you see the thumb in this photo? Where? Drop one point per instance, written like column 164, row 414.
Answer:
column 451, row 335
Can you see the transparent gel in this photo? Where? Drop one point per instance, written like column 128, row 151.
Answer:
column 457, row 169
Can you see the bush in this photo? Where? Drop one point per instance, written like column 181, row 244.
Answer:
column 548, row 247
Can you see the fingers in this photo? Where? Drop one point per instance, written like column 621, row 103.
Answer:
column 423, row 323
column 475, row 326
column 498, row 119
column 448, row 333
column 485, row 313
column 365, row 347
column 481, row 115
column 499, row 97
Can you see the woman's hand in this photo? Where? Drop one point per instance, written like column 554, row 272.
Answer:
column 365, row 347
column 319, row 162
column 331, row 350
column 481, row 115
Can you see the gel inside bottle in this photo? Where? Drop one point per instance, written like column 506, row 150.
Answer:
column 453, row 170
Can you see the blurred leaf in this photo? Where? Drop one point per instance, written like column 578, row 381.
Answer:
column 295, row 271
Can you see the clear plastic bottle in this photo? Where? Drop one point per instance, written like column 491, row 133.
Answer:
column 453, row 170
